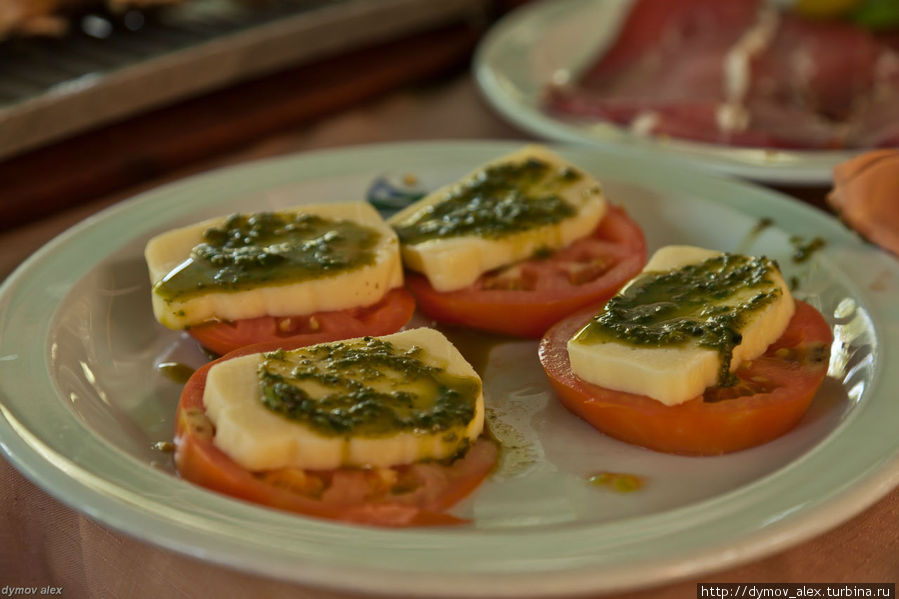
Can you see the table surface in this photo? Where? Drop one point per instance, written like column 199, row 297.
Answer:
column 43, row 542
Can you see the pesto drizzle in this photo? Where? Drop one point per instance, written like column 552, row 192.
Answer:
column 269, row 248
column 804, row 248
column 502, row 199
column 362, row 394
column 675, row 307
column 762, row 224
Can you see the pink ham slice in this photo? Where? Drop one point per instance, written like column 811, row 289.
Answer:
column 814, row 85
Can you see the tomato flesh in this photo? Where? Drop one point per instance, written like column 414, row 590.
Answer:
column 540, row 292
column 385, row 317
column 773, row 393
column 413, row 495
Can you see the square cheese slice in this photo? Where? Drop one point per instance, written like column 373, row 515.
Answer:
column 678, row 373
column 259, row 438
column 361, row 285
column 502, row 213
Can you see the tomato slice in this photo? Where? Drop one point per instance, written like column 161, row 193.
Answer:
column 413, row 495
column 773, row 393
column 527, row 298
column 385, row 317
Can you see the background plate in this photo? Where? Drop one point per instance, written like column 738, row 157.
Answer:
column 550, row 42
column 82, row 404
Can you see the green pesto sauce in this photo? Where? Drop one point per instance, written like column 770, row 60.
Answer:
column 368, row 389
column 759, row 227
column 502, row 199
column 621, row 482
column 762, row 224
column 804, row 248
column 672, row 308
column 269, row 248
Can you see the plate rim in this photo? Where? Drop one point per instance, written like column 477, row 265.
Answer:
column 878, row 481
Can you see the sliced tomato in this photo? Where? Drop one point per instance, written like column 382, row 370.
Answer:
column 413, row 495
column 527, row 298
column 385, row 317
column 773, row 393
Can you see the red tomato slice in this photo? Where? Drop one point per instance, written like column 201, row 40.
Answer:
column 773, row 393
column 529, row 297
column 385, row 317
column 414, row 495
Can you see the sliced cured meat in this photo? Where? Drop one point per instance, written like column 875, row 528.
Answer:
column 877, row 124
column 742, row 73
column 708, row 120
column 654, row 28
column 828, row 68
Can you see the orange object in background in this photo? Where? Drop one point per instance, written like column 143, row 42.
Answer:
column 866, row 195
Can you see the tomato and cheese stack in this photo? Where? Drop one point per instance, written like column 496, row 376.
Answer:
column 704, row 352
column 363, row 402
column 516, row 245
column 505, row 212
column 381, row 430
column 689, row 320
column 324, row 271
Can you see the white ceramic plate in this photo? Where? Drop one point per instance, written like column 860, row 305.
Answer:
column 83, row 404
column 552, row 42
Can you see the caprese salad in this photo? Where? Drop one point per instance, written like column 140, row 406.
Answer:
column 516, row 245
column 308, row 274
column 702, row 353
column 320, row 407
column 375, row 430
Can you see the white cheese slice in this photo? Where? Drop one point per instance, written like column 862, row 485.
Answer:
column 453, row 262
column 362, row 286
column 258, row 438
column 673, row 375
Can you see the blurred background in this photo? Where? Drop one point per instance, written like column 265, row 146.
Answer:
column 101, row 100
column 96, row 97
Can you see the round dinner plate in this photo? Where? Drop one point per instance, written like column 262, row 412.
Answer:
column 84, row 404
column 553, row 42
